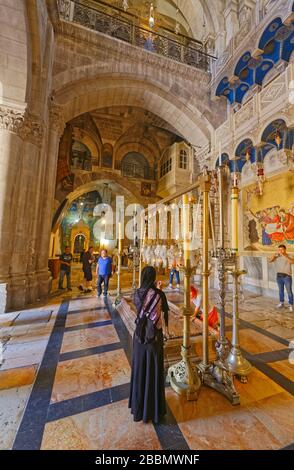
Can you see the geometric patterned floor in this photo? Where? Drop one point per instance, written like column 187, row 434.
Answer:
column 73, row 371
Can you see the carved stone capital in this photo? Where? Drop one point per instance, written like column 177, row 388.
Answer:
column 32, row 130
column 56, row 119
column 22, row 123
column 10, row 119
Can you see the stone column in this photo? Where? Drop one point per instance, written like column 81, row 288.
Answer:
column 231, row 19
column 54, row 132
column 23, row 285
column 11, row 150
column 247, row 10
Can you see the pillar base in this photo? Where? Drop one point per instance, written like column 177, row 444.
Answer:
column 3, row 296
column 184, row 379
column 44, row 283
column 32, row 288
column 17, row 292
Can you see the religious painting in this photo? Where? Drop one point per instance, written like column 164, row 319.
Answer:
column 268, row 219
column 107, row 155
column 146, row 189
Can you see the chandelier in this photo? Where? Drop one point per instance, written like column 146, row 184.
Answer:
column 151, row 16
column 260, row 177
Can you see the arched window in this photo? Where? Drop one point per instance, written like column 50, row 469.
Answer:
column 183, row 163
column 166, row 164
column 81, row 156
column 135, row 165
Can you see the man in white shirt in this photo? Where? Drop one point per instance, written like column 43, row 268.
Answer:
column 283, row 264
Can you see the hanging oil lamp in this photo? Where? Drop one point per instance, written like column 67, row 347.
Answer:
column 278, row 139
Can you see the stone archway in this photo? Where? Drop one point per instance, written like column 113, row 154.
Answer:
column 107, row 91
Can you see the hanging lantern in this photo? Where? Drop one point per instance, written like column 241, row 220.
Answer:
column 177, row 27
column 278, row 139
column 151, row 16
column 247, row 156
column 125, row 5
column 260, row 178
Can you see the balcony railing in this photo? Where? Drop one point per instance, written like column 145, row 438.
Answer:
column 115, row 23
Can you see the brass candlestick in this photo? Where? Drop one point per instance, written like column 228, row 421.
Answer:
column 215, row 375
column 237, row 363
column 184, row 376
column 119, row 255
column 223, row 257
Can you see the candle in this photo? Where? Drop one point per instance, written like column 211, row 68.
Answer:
column 220, row 152
column 186, row 227
column 119, row 238
column 234, row 218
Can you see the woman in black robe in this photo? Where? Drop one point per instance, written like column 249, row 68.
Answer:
column 147, row 393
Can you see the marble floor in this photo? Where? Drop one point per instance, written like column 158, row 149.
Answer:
column 65, row 372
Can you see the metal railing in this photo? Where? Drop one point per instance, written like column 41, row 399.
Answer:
column 115, row 23
column 134, row 170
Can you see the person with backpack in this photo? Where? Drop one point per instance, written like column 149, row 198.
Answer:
column 147, row 391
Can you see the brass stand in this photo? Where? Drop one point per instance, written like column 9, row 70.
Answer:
column 223, row 257
column 118, row 291
column 237, row 364
column 215, row 375
column 184, row 376
column 134, row 283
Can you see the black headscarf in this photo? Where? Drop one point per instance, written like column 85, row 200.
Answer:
column 148, row 277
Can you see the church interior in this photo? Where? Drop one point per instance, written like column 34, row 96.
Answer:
column 162, row 135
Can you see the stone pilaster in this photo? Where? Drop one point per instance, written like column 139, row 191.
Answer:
column 231, row 18
column 23, row 285
column 54, row 132
column 11, row 148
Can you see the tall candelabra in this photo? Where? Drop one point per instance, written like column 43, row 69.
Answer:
column 215, row 374
column 119, row 255
column 183, row 376
column 134, row 249
column 237, row 363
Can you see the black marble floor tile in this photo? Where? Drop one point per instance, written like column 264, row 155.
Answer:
column 168, row 431
column 273, row 356
column 121, row 329
column 87, row 402
column 273, row 374
column 85, row 310
column 246, row 324
column 88, row 325
column 30, row 432
column 89, row 351
column 289, row 447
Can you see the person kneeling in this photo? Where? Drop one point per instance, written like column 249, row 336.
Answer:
column 196, row 299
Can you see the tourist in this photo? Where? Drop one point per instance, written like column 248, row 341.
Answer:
column 174, row 271
column 104, row 272
column 65, row 268
column 147, row 391
column 283, row 264
column 81, row 256
column 196, row 299
column 88, row 260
